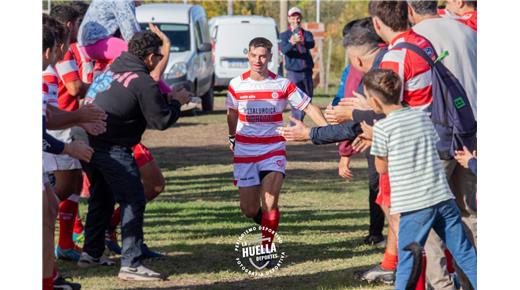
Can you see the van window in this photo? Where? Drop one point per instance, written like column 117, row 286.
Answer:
column 179, row 35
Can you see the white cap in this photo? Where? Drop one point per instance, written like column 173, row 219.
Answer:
column 294, row 10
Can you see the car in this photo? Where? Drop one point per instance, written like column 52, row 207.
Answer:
column 190, row 62
column 230, row 37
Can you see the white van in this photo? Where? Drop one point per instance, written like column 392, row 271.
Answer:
column 231, row 36
column 190, row 57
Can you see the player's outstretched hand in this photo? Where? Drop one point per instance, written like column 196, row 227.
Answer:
column 79, row 150
column 91, row 113
column 298, row 132
column 180, row 94
column 367, row 130
column 344, row 167
column 94, row 128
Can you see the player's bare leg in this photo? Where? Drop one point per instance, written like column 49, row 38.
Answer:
column 49, row 212
column 249, row 200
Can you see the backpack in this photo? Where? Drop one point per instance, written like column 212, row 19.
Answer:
column 451, row 112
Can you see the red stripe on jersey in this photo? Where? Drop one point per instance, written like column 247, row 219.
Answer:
column 50, row 79
column 418, row 97
column 290, row 89
column 246, row 75
column 258, row 140
column 272, row 75
column 45, row 88
column 231, row 91
column 261, row 118
column 253, row 159
column 257, row 95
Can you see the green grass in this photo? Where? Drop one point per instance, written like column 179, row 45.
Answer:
column 197, row 220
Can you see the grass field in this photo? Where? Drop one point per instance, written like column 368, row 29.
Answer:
column 197, row 220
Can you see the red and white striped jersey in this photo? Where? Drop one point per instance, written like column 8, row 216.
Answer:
column 260, row 106
column 85, row 64
column 468, row 18
column 414, row 71
column 50, row 79
column 67, row 71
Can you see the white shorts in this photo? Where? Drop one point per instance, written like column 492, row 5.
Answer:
column 53, row 162
column 248, row 174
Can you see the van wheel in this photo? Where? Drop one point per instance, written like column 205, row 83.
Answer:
column 207, row 100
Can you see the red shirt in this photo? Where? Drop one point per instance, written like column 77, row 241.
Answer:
column 468, row 18
column 414, row 71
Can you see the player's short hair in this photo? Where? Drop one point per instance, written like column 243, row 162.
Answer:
column 48, row 40
column 424, row 7
column 61, row 33
column 64, row 13
column 144, row 43
column 385, row 84
column 362, row 33
column 260, row 42
column 393, row 14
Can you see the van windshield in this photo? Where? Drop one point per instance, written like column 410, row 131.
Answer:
column 179, row 35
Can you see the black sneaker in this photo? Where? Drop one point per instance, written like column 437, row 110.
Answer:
column 375, row 240
column 62, row 284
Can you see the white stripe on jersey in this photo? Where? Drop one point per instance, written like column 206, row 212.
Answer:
column 419, row 82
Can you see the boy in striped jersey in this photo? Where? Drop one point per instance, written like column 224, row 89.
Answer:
column 404, row 144
column 256, row 100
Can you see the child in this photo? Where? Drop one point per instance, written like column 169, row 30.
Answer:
column 404, row 146
column 467, row 159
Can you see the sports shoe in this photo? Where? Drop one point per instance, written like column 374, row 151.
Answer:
column 62, row 284
column 375, row 240
column 68, row 254
column 87, row 260
column 111, row 242
column 140, row 273
column 149, row 254
column 376, row 274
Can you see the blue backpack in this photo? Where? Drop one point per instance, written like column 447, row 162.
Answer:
column 451, row 112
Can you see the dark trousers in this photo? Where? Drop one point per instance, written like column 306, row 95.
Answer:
column 114, row 176
column 377, row 216
column 303, row 80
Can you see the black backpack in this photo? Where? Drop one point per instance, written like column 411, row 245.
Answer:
column 450, row 109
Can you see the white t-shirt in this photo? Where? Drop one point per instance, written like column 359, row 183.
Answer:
column 460, row 41
column 260, row 106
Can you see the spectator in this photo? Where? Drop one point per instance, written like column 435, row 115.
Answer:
column 404, row 144
column 458, row 50
column 467, row 159
column 296, row 44
column 463, row 11
column 133, row 101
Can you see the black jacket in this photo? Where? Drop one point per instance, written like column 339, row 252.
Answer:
column 297, row 57
column 132, row 101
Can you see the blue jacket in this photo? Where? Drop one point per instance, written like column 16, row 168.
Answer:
column 297, row 57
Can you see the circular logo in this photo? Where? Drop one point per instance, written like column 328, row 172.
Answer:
column 275, row 95
column 428, row 51
column 258, row 251
column 245, row 50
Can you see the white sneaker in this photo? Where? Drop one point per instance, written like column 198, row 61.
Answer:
column 86, row 261
column 140, row 273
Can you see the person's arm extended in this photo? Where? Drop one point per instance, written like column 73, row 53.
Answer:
column 158, row 113
column 381, row 163
column 315, row 114
column 334, row 133
column 60, row 119
column 165, row 51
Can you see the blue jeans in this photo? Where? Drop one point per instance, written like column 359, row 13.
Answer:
column 444, row 219
column 114, row 176
column 303, row 80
